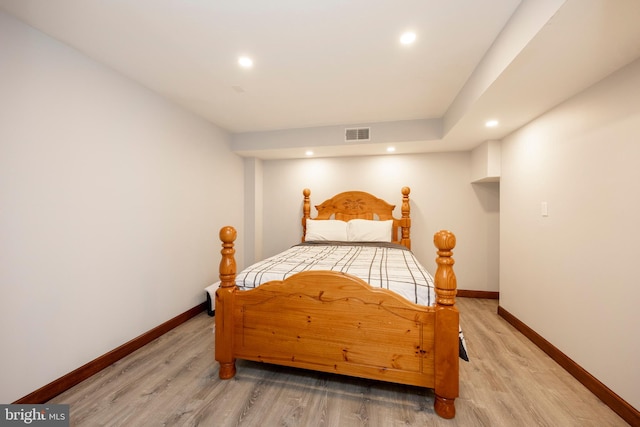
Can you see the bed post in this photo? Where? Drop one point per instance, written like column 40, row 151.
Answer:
column 224, row 305
column 306, row 211
column 405, row 222
column 446, row 328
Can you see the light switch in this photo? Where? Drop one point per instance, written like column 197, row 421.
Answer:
column 544, row 209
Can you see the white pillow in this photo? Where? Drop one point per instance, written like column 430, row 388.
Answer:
column 364, row 230
column 326, row 229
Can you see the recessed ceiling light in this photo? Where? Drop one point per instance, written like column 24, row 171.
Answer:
column 491, row 123
column 408, row 38
column 245, row 62
column 391, row 149
column 309, row 153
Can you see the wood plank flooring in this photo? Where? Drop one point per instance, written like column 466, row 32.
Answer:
column 173, row 381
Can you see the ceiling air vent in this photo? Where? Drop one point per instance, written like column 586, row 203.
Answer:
column 356, row 134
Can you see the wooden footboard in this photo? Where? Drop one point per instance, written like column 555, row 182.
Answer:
column 333, row 322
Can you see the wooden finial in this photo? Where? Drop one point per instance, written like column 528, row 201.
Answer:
column 406, row 218
column 445, row 278
column 405, row 202
column 444, row 241
column 228, row 235
column 306, row 211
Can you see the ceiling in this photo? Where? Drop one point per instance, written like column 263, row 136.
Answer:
column 325, row 65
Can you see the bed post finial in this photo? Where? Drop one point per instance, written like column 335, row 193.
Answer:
column 445, row 278
column 405, row 222
column 224, row 305
column 228, row 235
column 306, row 211
column 447, row 321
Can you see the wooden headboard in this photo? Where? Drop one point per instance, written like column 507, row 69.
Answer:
column 359, row 204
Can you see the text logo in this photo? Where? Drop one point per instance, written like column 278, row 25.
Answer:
column 34, row 415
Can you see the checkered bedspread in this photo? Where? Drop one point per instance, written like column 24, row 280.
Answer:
column 385, row 265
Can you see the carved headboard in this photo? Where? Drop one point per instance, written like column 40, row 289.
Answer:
column 359, row 204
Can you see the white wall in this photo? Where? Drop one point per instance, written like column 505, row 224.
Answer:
column 485, row 162
column 110, row 204
column 442, row 197
column 572, row 276
column 253, row 224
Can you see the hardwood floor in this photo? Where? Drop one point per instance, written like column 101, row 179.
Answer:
column 173, row 381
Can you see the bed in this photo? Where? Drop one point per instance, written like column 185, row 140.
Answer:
column 333, row 321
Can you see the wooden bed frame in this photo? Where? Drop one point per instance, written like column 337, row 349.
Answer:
column 333, row 322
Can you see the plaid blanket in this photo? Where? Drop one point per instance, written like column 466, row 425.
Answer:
column 384, row 265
